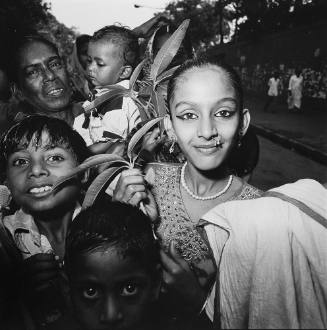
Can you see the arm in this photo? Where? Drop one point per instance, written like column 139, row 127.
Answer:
column 146, row 29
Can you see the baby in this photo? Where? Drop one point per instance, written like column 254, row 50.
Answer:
column 112, row 55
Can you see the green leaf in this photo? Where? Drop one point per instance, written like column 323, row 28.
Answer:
column 135, row 74
column 99, row 184
column 89, row 163
column 139, row 134
column 168, row 50
column 115, row 92
column 166, row 75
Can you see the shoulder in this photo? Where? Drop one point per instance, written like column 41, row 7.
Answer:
column 247, row 191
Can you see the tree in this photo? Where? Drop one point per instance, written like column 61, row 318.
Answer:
column 210, row 20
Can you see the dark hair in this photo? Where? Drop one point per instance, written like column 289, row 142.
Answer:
column 232, row 75
column 60, row 134
column 81, row 40
column 108, row 223
column 19, row 47
column 122, row 37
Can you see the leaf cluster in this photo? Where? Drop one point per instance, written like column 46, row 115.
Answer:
column 150, row 99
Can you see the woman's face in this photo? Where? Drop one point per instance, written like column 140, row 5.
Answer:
column 43, row 79
column 204, row 108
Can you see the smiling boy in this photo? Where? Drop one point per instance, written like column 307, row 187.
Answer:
column 35, row 153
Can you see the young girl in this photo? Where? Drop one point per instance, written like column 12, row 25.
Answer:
column 206, row 109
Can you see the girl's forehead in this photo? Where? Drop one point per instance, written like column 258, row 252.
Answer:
column 201, row 83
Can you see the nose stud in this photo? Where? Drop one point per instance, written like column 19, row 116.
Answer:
column 218, row 142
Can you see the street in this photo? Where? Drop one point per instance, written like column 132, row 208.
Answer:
column 278, row 166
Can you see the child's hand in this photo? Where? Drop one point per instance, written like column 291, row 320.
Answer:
column 180, row 280
column 132, row 189
column 39, row 271
column 151, row 140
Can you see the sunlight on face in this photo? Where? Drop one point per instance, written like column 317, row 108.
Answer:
column 105, row 63
column 203, row 108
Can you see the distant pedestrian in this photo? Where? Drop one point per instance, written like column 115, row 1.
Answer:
column 273, row 91
column 295, row 91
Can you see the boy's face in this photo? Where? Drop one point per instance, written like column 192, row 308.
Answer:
column 105, row 65
column 32, row 172
column 43, row 79
column 110, row 291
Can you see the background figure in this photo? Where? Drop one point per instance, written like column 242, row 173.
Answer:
column 273, row 91
column 295, row 91
column 77, row 67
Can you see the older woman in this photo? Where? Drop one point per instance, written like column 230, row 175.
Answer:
column 40, row 81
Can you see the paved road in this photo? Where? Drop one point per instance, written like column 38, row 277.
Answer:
column 278, row 166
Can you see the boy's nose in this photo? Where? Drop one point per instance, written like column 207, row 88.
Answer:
column 111, row 312
column 38, row 169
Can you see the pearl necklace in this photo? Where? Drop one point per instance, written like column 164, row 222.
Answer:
column 188, row 190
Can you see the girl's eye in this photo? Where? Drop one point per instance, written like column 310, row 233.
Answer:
column 90, row 293
column 188, row 116
column 55, row 159
column 130, row 290
column 224, row 113
column 100, row 64
column 20, row 162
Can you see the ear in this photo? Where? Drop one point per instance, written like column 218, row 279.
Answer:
column 126, row 72
column 246, row 121
column 16, row 92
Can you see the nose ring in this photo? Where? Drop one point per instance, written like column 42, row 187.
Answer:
column 218, row 142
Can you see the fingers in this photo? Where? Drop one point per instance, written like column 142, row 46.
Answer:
column 174, row 258
column 39, row 269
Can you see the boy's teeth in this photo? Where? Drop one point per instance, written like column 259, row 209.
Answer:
column 55, row 91
column 39, row 190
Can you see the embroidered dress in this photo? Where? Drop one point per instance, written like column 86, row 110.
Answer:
column 175, row 224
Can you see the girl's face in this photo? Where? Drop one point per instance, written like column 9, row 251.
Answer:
column 204, row 108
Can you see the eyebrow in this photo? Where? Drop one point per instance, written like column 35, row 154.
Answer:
column 223, row 100
column 52, row 58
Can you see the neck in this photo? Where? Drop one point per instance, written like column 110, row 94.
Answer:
column 54, row 226
column 65, row 114
column 203, row 183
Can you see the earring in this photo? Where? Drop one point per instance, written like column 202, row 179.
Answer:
column 239, row 140
column 172, row 147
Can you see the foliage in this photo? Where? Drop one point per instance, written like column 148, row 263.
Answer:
column 152, row 106
column 210, row 20
column 23, row 17
column 149, row 93
column 20, row 17
column 114, row 165
column 265, row 17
